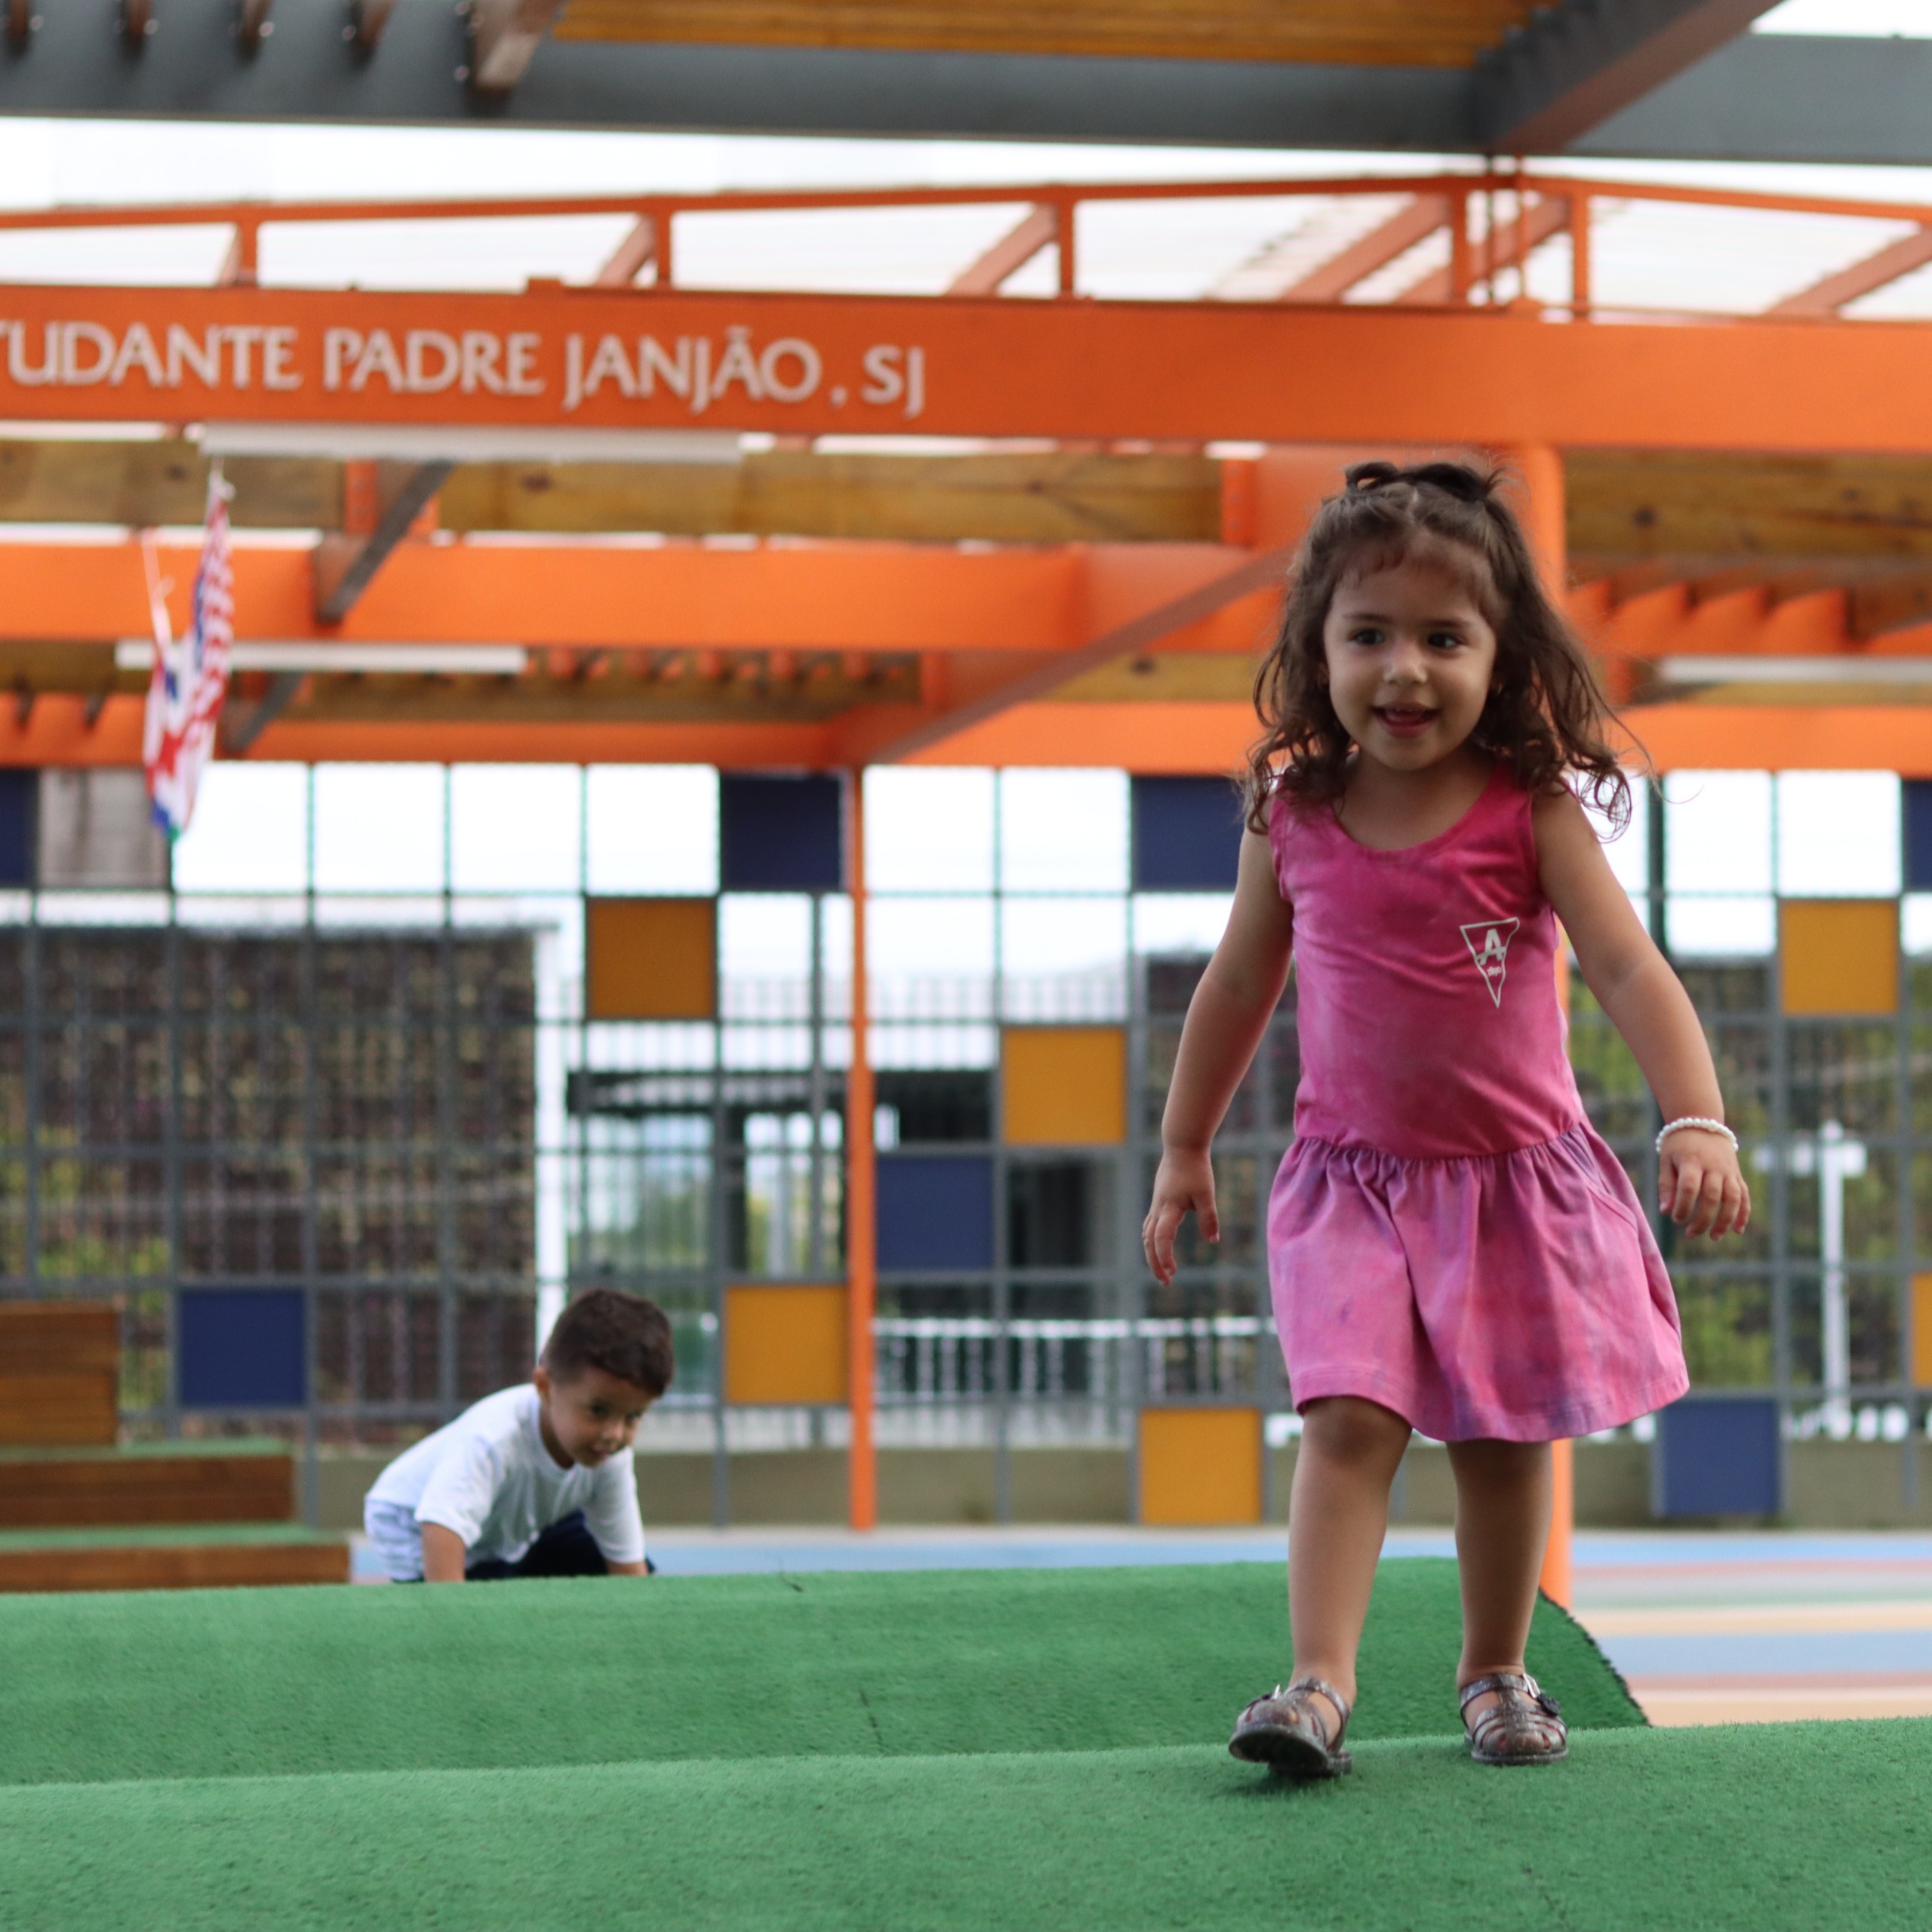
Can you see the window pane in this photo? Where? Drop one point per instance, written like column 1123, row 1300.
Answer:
column 1838, row 834
column 1181, row 922
column 1062, row 831
column 379, row 828
column 931, row 958
column 250, row 831
column 652, row 828
column 515, row 827
column 1718, row 831
column 1063, row 958
column 929, row 831
column 1628, row 850
column 1716, row 928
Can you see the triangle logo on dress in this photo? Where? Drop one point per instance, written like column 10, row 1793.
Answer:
column 1488, row 941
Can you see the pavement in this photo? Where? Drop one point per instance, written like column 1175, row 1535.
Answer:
column 1705, row 1628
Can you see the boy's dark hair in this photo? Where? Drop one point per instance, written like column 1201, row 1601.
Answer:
column 624, row 1335
column 1544, row 718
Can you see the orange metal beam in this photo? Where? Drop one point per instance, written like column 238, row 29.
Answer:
column 745, row 201
column 812, row 364
column 861, row 597
column 1258, row 577
column 1177, row 738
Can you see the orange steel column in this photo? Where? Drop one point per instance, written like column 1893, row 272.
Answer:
column 1541, row 469
column 861, row 1190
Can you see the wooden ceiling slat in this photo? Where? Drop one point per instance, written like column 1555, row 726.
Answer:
column 1421, row 33
column 1663, row 504
column 1043, row 497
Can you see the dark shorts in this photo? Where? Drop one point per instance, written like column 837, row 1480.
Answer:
column 566, row 1548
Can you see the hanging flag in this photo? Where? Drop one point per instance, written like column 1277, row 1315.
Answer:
column 190, row 679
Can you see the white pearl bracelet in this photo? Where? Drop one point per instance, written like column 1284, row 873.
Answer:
column 1695, row 1120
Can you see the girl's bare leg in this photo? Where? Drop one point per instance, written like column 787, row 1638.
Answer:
column 1338, row 1509
column 1502, row 1497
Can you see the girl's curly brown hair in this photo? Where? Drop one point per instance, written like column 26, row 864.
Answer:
column 1546, row 714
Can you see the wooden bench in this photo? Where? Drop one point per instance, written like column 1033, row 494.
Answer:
column 59, row 1374
column 78, row 1513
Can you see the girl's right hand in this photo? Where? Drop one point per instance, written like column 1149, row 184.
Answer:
column 1185, row 1180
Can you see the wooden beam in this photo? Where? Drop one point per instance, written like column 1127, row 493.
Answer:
column 1375, row 251
column 635, row 687
column 147, row 484
column 1827, row 296
column 1054, row 496
column 1039, row 229
column 1892, row 603
column 344, row 564
column 1328, row 31
column 1638, row 503
column 1034, row 497
column 1174, row 677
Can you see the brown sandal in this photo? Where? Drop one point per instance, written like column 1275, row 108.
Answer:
column 1524, row 1726
column 1284, row 1731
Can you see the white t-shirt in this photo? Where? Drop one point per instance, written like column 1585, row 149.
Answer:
column 488, row 1477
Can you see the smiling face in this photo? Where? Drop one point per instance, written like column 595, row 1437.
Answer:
column 588, row 1417
column 1410, row 660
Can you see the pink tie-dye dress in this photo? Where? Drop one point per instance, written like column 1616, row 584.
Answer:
column 1448, row 1235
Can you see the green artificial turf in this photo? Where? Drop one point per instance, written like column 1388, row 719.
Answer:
column 923, row 1752
column 228, row 1683
column 1816, row 1826
column 119, row 1536
column 171, row 1450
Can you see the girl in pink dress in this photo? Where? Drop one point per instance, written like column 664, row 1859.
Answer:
column 1452, row 1248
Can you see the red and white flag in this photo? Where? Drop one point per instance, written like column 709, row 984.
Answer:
column 190, row 681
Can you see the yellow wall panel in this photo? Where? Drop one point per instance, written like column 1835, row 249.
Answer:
column 1839, row 955
column 1200, row 1465
column 651, row 958
column 785, row 1345
column 1062, row 1086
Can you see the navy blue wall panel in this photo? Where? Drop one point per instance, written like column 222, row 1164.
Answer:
column 1718, row 1457
column 780, row 834
column 19, row 791
column 1918, row 835
column 241, row 1348
column 935, row 1211
column 1186, row 835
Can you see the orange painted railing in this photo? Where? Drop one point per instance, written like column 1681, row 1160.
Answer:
column 1522, row 209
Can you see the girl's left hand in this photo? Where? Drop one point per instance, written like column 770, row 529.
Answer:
column 1700, row 1185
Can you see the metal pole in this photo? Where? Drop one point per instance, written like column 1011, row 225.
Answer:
column 861, row 1187
column 1541, row 469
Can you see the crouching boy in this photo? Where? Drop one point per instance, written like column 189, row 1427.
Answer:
column 536, row 1481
